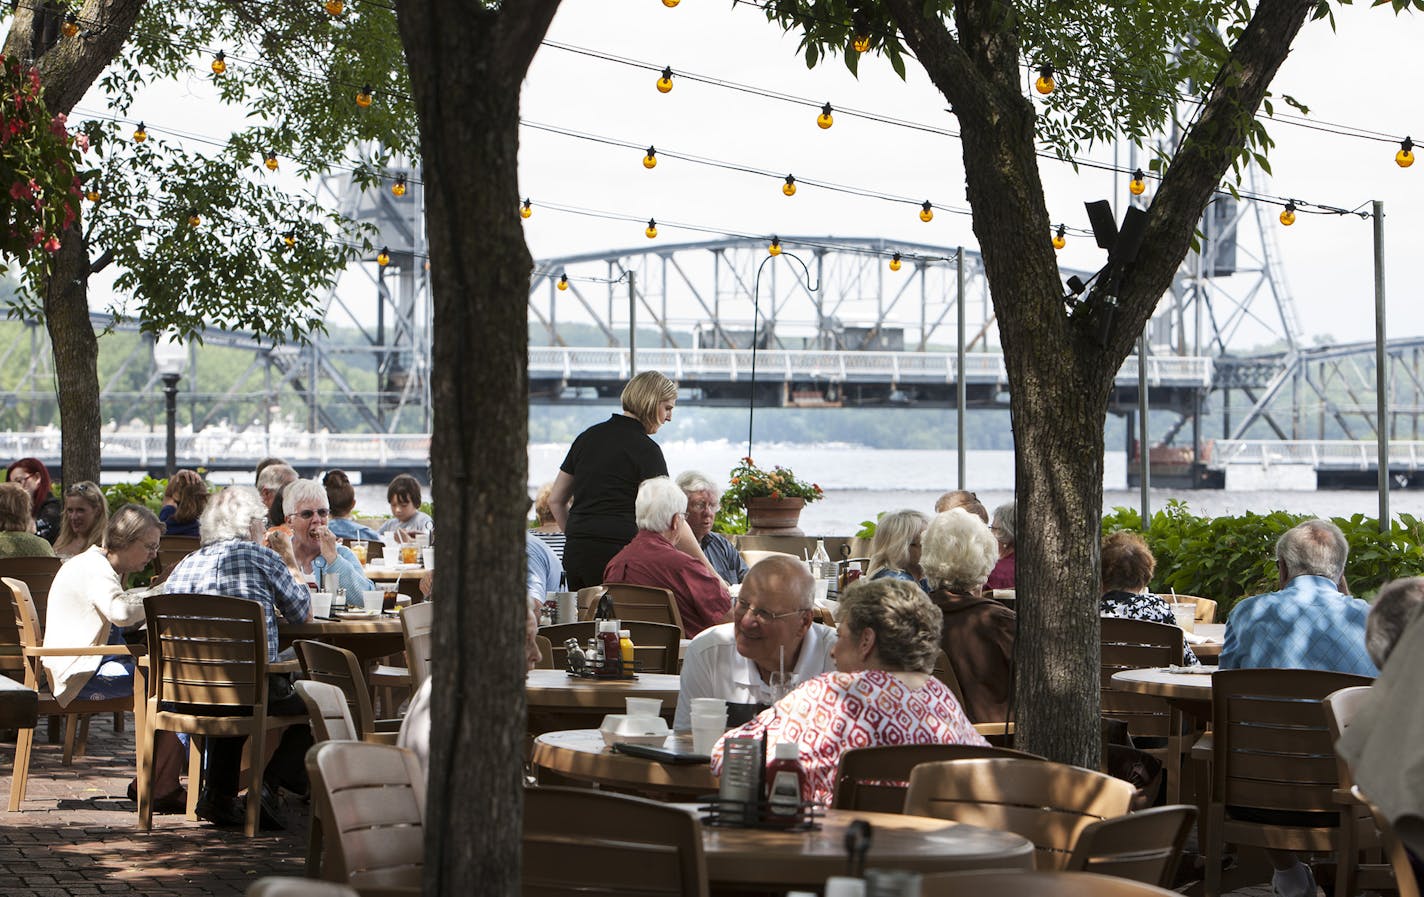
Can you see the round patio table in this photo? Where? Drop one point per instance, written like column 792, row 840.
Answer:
column 1212, row 650
column 368, row 639
column 768, row 859
column 558, row 701
column 1189, row 692
column 581, row 755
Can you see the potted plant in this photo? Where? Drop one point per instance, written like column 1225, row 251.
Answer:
column 772, row 499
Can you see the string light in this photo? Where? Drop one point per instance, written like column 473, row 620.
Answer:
column 652, row 229
column 665, row 82
column 219, row 62
column 1059, row 240
column 290, row 238
column 895, row 262
column 527, row 209
column 271, row 161
column 926, row 212
column 671, row 3
column 651, row 159
column 70, row 26
column 789, row 188
column 92, row 195
column 860, row 43
column 563, row 283
column 825, row 120
column 775, row 247
column 1045, row 83
column 335, row 7
column 363, row 96
column 398, row 188
column 194, row 220
column 1137, row 184
column 383, row 258
column 1288, row 213
column 140, row 135
column 1405, row 157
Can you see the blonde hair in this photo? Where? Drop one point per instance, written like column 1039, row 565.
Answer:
column 893, row 534
column 92, row 495
column 906, row 623
column 644, row 393
column 958, row 551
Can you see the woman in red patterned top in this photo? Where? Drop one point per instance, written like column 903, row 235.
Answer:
column 882, row 692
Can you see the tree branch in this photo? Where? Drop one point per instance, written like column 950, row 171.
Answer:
column 69, row 67
column 520, row 31
column 102, row 262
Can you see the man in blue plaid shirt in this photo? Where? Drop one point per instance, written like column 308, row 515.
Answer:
column 232, row 562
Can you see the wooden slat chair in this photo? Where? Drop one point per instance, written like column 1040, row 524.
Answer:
column 1340, row 708
column 339, row 667
column 1271, row 751
column 207, row 677
column 638, row 846
column 372, row 798
column 25, row 619
column 1405, row 881
column 1206, row 608
column 1048, row 803
column 172, row 549
column 1135, row 645
column 646, row 603
column 655, row 645
column 874, row 779
column 1144, row 846
column 330, row 721
column 417, row 623
column 1035, row 884
column 37, row 573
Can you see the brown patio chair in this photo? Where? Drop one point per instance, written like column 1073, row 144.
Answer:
column 655, row 645
column 371, row 798
column 1340, row 709
column 1405, row 881
column 330, row 721
column 874, row 779
column 417, row 621
column 1206, row 607
column 1035, row 884
column 207, row 677
column 1144, row 846
column 647, row 603
column 546, row 652
column 1272, row 754
column 26, row 623
column 339, row 667
column 1154, row 724
column 638, row 846
column 1048, row 803
column 37, row 573
column 172, row 549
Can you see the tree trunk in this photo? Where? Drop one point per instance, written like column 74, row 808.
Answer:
column 76, row 358
column 466, row 68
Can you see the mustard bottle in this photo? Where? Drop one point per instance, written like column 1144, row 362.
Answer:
column 625, row 649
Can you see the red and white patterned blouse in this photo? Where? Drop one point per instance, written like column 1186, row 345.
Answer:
column 836, row 712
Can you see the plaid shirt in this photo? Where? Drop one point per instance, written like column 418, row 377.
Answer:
column 244, row 569
column 1308, row 625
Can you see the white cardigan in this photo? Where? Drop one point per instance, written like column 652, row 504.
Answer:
column 84, row 600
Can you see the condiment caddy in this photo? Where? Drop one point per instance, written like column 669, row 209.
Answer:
column 608, row 655
column 757, row 794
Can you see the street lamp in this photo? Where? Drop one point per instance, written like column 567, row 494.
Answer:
column 170, row 357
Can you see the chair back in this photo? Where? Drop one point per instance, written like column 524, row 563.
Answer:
column 1136, row 645
column 330, row 716
column 638, row 846
column 208, row 650
column 944, row 672
column 647, row 603
column 546, row 652
column 874, row 779
column 418, row 623
column 655, row 645
column 26, row 623
column 38, row 574
column 1034, row 884
column 1405, row 881
column 339, row 667
column 172, row 549
column 1340, row 707
column 1143, row 846
column 1048, row 803
column 1272, row 747
column 371, row 798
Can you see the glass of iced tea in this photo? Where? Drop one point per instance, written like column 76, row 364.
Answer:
column 410, row 553
column 358, row 548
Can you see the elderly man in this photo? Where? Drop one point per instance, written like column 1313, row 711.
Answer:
column 231, row 562
column 702, row 502
column 1309, row 624
column 271, row 478
column 771, row 626
column 664, row 554
column 960, row 498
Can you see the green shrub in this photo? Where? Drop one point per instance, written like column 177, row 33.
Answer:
column 147, row 491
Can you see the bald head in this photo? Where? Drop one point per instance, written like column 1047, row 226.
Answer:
column 784, row 576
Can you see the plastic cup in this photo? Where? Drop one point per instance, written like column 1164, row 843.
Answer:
column 1186, row 616
column 373, row 600
column 321, row 604
column 361, row 550
column 422, row 541
column 704, row 737
column 644, row 707
column 709, row 705
column 427, row 557
column 568, row 607
column 410, row 553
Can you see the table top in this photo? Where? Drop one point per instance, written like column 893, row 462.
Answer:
column 391, row 574
column 777, row 860
column 556, row 688
column 1164, row 683
column 1215, row 631
column 581, row 754
column 385, row 624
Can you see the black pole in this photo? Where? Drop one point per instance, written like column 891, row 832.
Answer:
column 170, row 396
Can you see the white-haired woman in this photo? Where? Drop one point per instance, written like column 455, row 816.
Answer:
column 895, row 550
column 317, row 551
column 978, row 632
column 1002, row 527
column 664, row 554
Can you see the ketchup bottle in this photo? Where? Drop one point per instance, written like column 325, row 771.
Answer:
column 785, row 785
column 612, row 651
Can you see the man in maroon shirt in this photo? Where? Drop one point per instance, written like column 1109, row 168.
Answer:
column 665, row 554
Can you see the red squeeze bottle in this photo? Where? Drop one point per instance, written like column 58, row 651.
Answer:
column 612, row 652
column 785, row 785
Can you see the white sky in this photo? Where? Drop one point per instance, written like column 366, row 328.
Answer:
column 1363, row 76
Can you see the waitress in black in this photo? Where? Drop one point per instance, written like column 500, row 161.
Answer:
column 593, row 495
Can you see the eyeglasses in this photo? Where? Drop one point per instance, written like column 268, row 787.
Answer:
column 152, row 547
column 697, row 507
column 78, row 489
column 309, row 513
column 761, row 615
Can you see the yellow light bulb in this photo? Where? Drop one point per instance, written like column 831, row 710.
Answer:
column 70, row 26
column 363, row 96
column 290, row 238
column 1059, row 241
column 789, row 188
column 1405, row 157
column 383, row 258
column 1288, row 214
column 775, row 247
column 219, row 63
column 140, row 135
column 1045, row 83
column 527, row 209
column 563, row 283
column 651, row 159
column 1137, row 185
column 271, row 162
column 92, row 195
column 398, row 188
column 652, row 229
column 671, row 3
column 335, row 7
column 860, row 43
column 665, row 82
column 926, row 212
column 194, row 220
column 895, row 262
column 825, row 120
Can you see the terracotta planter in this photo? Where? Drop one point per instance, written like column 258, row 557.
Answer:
column 774, row 516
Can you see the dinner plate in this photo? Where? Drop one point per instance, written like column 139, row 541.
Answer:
column 356, row 615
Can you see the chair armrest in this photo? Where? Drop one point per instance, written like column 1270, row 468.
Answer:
column 80, row 651
column 381, row 737
column 386, row 725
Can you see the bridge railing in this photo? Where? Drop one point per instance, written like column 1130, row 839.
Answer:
column 211, row 447
column 1322, row 454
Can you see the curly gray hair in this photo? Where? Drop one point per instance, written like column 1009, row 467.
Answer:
column 905, row 622
column 230, row 513
column 958, row 551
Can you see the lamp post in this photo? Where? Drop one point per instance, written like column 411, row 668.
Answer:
column 170, row 358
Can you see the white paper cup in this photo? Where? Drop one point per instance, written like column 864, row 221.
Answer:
column 644, row 707
column 709, row 705
column 568, row 607
column 704, row 738
column 427, row 555
column 422, row 541
column 373, row 600
column 1186, row 616
column 321, row 604
column 376, row 562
